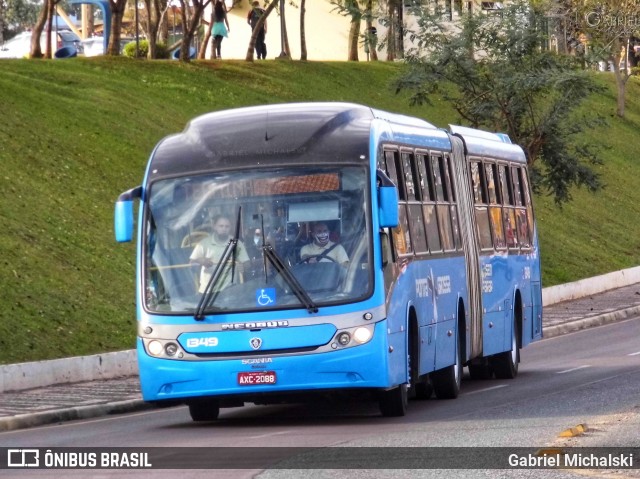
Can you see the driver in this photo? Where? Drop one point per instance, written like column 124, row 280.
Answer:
column 208, row 253
column 322, row 248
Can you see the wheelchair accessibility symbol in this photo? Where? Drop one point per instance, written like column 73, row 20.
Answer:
column 265, row 297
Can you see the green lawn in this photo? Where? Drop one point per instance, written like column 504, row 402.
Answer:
column 75, row 133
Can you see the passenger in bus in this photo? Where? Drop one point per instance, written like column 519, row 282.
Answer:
column 322, row 248
column 208, row 253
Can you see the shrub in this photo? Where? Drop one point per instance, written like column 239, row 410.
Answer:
column 143, row 49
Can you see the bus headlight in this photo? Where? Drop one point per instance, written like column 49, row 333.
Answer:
column 362, row 335
column 155, row 348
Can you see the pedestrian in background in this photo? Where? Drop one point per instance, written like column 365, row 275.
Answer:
column 252, row 19
column 220, row 27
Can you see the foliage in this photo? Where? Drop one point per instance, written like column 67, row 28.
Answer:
column 608, row 26
column 493, row 72
column 129, row 50
column 16, row 16
column 70, row 148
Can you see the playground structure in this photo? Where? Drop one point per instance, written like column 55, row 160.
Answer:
column 83, row 33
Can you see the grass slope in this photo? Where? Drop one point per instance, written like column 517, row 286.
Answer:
column 76, row 133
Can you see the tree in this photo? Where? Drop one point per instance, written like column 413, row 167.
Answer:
column 45, row 19
column 117, row 8
column 17, row 15
column 303, row 40
column 494, row 73
column 352, row 9
column 256, row 29
column 609, row 25
column 156, row 10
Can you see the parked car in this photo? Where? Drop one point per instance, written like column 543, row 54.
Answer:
column 95, row 45
column 20, row 45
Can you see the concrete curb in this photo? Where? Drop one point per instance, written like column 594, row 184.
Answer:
column 579, row 324
column 589, row 286
column 21, row 376
column 23, row 421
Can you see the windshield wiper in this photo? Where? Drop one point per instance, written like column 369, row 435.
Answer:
column 288, row 276
column 229, row 249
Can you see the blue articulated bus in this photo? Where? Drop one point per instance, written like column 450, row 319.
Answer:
column 435, row 266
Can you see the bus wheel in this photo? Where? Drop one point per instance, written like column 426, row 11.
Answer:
column 505, row 365
column 204, row 410
column 446, row 382
column 393, row 403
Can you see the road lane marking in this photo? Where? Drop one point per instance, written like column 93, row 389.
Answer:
column 269, row 435
column 484, row 390
column 574, row 369
column 634, row 354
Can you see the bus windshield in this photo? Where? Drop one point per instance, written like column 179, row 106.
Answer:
column 254, row 240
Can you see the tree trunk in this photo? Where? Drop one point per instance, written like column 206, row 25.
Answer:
column 354, row 36
column 303, row 41
column 621, row 87
column 48, row 53
column 391, row 32
column 36, row 33
column 285, row 36
column 117, row 12
column 254, row 34
column 371, row 38
column 205, row 41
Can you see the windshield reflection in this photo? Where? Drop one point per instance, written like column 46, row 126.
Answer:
column 300, row 240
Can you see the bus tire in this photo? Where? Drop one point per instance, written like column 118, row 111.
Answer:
column 446, row 382
column 505, row 365
column 204, row 410
column 393, row 403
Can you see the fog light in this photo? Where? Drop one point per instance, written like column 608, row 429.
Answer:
column 171, row 349
column 155, row 348
column 362, row 335
column 343, row 339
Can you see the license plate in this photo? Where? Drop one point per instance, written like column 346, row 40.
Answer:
column 256, row 378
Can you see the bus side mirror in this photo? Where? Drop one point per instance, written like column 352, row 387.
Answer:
column 387, row 201
column 123, row 216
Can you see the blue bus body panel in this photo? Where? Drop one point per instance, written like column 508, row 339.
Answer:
column 432, row 288
column 271, row 339
column 362, row 366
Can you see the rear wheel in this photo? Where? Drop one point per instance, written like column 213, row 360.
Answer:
column 393, row 403
column 204, row 410
column 505, row 365
column 446, row 382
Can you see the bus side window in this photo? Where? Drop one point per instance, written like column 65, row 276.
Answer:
column 495, row 210
column 414, row 209
column 426, row 181
column 401, row 236
column 481, row 207
column 508, row 210
column 442, row 197
column 521, row 208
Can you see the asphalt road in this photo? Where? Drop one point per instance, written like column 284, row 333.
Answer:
column 587, row 377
